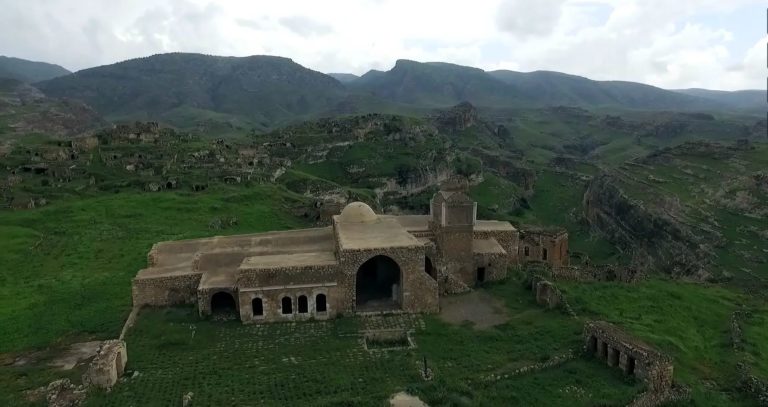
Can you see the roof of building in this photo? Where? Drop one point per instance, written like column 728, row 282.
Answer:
column 380, row 234
column 277, row 261
column 410, row 222
column 487, row 246
column 358, row 212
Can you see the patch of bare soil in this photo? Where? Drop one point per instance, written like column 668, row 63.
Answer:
column 403, row 399
column 478, row 307
column 74, row 354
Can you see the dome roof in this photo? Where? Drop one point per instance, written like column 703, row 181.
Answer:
column 358, row 212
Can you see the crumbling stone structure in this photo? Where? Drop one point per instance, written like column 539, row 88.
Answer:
column 607, row 342
column 363, row 262
column 108, row 364
column 549, row 246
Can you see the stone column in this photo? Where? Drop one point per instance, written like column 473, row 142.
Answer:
column 624, row 363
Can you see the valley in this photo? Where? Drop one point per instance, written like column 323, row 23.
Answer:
column 93, row 174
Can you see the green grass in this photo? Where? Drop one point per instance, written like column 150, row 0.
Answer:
column 688, row 321
column 557, row 201
column 324, row 363
column 65, row 269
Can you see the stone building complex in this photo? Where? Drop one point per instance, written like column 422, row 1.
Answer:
column 363, row 262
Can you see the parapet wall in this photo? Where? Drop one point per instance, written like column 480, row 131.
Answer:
column 165, row 290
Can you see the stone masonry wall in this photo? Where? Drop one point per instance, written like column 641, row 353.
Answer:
column 108, row 365
column 271, row 302
column 509, row 240
column 618, row 348
column 419, row 291
column 165, row 290
column 287, row 276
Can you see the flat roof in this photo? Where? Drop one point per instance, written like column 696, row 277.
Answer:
column 218, row 279
column 289, row 260
column 386, row 232
column 483, row 225
column 412, row 222
column 487, row 246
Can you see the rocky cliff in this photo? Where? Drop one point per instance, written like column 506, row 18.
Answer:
column 657, row 240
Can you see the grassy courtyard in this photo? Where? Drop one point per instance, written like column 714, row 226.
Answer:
column 325, row 363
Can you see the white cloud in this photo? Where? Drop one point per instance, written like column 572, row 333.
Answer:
column 660, row 42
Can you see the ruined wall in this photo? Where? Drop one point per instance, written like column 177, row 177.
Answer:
column 543, row 246
column 547, row 294
column 108, row 365
column 632, row 356
column 165, row 290
column 418, row 291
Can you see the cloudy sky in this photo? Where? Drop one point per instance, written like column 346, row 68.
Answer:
column 716, row 44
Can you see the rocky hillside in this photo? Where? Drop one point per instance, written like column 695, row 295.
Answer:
column 697, row 209
column 24, row 110
column 29, row 71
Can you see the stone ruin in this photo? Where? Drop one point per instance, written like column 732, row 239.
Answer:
column 619, row 349
column 634, row 357
column 108, row 365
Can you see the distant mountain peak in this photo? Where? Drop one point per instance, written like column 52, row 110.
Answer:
column 29, row 71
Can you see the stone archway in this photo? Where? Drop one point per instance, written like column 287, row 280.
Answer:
column 378, row 284
column 223, row 303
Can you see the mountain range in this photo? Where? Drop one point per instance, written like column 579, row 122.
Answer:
column 269, row 90
column 29, row 71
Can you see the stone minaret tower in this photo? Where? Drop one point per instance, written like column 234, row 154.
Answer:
column 452, row 220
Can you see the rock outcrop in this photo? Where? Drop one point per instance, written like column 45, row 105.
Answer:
column 657, row 239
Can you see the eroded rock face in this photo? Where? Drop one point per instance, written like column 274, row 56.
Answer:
column 457, row 118
column 657, row 239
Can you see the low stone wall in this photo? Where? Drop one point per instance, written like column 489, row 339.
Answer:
column 753, row 385
column 165, row 290
column 108, row 365
column 607, row 272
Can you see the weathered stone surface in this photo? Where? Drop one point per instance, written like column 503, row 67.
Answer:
column 108, row 365
column 318, row 273
column 634, row 357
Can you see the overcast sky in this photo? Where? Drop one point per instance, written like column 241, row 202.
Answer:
column 716, row 44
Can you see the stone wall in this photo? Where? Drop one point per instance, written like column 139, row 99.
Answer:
column 509, row 240
column 494, row 266
column 292, row 275
column 165, row 290
column 108, row 365
column 550, row 247
column 272, row 301
column 418, row 291
column 548, row 295
column 631, row 355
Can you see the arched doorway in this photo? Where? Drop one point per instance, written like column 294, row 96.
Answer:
column 429, row 268
column 223, row 304
column 378, row 285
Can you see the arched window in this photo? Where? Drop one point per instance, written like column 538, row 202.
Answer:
column 527, row 251
column 303, row 304
column 258, row 307
column 287, row 305
column 320, row 303
column 543, row 254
